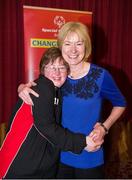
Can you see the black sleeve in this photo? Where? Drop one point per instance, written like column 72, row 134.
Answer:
column 44, row 120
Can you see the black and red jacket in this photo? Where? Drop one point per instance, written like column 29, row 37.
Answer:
column 35, row 135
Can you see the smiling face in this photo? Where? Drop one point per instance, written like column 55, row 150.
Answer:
column 74, row 41
column 56, row 72
column 73, row 49
column 53, row 66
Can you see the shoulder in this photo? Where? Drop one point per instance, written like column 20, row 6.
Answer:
column 95, row 66
column 43, row 84
column 45, row 88
column 100, row 69
column 96, row 71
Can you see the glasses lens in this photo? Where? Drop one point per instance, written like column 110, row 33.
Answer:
column 54, row 69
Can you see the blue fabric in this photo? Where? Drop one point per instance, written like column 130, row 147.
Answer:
column 82, row 102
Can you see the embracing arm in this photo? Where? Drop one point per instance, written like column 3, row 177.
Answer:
column 69, row 140
column 46, row 125
column 24, row 91
column 114, row 116
column 111, row 92
column 101, row 129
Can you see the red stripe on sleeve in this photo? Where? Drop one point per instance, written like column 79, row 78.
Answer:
column 20, row 127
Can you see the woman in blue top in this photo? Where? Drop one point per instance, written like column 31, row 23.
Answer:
column 83, row 93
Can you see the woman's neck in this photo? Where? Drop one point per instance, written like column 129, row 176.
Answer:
column 80, row 70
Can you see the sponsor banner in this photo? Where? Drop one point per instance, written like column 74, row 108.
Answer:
column 41, row 27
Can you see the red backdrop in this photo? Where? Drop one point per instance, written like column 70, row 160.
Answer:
column 42, row 33
column 112, row 42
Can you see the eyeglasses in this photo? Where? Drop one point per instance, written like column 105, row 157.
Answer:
column 54, row 69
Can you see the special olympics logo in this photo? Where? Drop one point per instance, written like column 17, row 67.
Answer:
column 59, row 21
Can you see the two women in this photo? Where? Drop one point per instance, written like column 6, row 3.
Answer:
column 84, row 91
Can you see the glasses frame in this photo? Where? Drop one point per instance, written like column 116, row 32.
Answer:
column 52, row 68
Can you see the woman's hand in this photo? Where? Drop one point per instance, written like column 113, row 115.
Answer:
column 91, row 145
column 24, row 91
column 98, row 133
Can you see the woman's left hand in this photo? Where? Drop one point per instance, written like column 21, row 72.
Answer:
column 98, row 133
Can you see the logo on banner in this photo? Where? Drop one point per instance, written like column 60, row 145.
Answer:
column 59, row 21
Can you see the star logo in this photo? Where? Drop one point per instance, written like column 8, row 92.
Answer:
column 59, row 21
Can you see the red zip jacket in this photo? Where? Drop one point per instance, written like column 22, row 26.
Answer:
column 35, row 136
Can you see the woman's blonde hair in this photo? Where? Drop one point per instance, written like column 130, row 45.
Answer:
column 82, row 32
